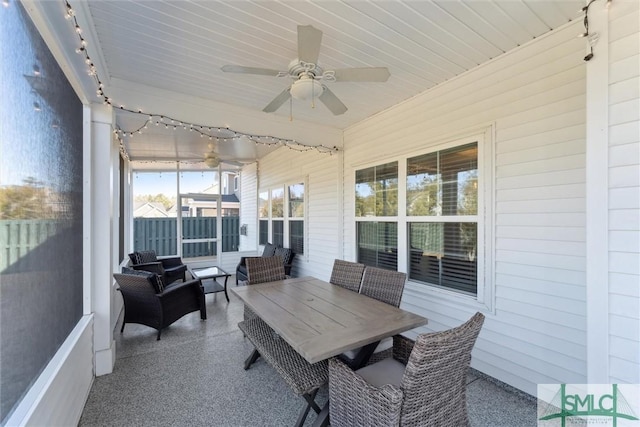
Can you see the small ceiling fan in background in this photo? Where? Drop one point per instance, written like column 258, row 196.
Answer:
column 212, row 158
column 308, row 77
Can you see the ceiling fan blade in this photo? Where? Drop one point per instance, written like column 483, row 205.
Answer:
column 277, row 101
column 309, row 39
column 332, row 102
column 249, row 70
column 367, row 74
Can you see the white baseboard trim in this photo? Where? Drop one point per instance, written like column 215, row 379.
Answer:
column 59, row 394
column 105, row 360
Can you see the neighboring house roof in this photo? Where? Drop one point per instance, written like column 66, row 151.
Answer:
column 149, row 210
column 230, row 198
column 226, row 198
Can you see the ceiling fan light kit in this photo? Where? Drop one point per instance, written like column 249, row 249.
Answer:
column 306, row 88
column 307, row 75
column 211, row 160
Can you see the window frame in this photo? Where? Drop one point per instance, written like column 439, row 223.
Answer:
column 485, row 295
column 286, row 218
column 291, row 218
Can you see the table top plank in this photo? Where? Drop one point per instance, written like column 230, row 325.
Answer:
column 286, row 324
column 318, row 302
column 320, row 320
column 303, row 307
column 343, row 299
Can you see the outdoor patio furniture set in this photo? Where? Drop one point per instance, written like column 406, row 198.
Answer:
column 324, row 341
column 344, row 332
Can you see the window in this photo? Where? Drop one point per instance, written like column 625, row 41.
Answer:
column 378, row 244
column 442, row 190
column 263, row 217
column 41, row 208
column 277, row 216
column 440, row 215
column 377, row 196
column 296, row 217
column 377, row 191
column 281, row 215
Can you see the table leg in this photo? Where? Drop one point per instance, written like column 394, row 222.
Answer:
column 322, row 420
column 225, row 287
column 251, row 359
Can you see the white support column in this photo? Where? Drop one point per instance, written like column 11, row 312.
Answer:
column 597, row 110
column 102, row 232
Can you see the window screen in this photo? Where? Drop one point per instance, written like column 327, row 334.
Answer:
column 40, row 207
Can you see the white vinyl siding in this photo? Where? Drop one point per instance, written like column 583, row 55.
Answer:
column 624, row 193
column 531, row 105
column 322, row 230
column 533, row 99
column 249, row 207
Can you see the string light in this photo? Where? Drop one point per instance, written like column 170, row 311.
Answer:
column 592, row 38
column 203, row 130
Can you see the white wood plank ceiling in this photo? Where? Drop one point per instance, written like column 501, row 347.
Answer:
column 180, row 46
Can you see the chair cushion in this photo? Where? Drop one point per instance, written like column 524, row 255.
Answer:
column 155, row 280
column 285, row 254
column 387, row 371
column 383, row 345
column 133, row 257
column 269, row 249
column 147, row 256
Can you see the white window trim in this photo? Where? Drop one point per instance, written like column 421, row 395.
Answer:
column 485, row 298
column 285, row 212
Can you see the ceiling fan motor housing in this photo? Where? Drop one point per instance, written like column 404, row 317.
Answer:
column 298, row 68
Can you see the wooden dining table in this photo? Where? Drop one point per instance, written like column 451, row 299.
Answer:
column 320, row 320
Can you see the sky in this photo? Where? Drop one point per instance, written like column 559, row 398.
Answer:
column 165, row 182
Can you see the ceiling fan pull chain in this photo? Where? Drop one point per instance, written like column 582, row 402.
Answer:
column 291, row 109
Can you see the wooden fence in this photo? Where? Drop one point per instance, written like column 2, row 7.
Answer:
column 19, row 237
column 160, row 234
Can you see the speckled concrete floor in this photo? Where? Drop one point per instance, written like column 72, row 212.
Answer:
column 194, row 376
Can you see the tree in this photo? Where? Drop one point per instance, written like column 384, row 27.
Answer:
column 28, row 201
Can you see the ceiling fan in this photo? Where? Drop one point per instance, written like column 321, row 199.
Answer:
column 212, row 159
column 308, row 77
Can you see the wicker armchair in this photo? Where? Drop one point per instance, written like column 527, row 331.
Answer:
column 148, row 303
column 424, row 384
column 347, row 274
column 169, row 268
column 386, row 286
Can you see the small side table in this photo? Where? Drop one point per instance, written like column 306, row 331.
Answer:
column 209, row 276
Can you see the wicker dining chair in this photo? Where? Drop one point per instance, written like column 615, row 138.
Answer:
column 347, row 274
column 261, row 270
column 386, row 286
column 423, row 384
